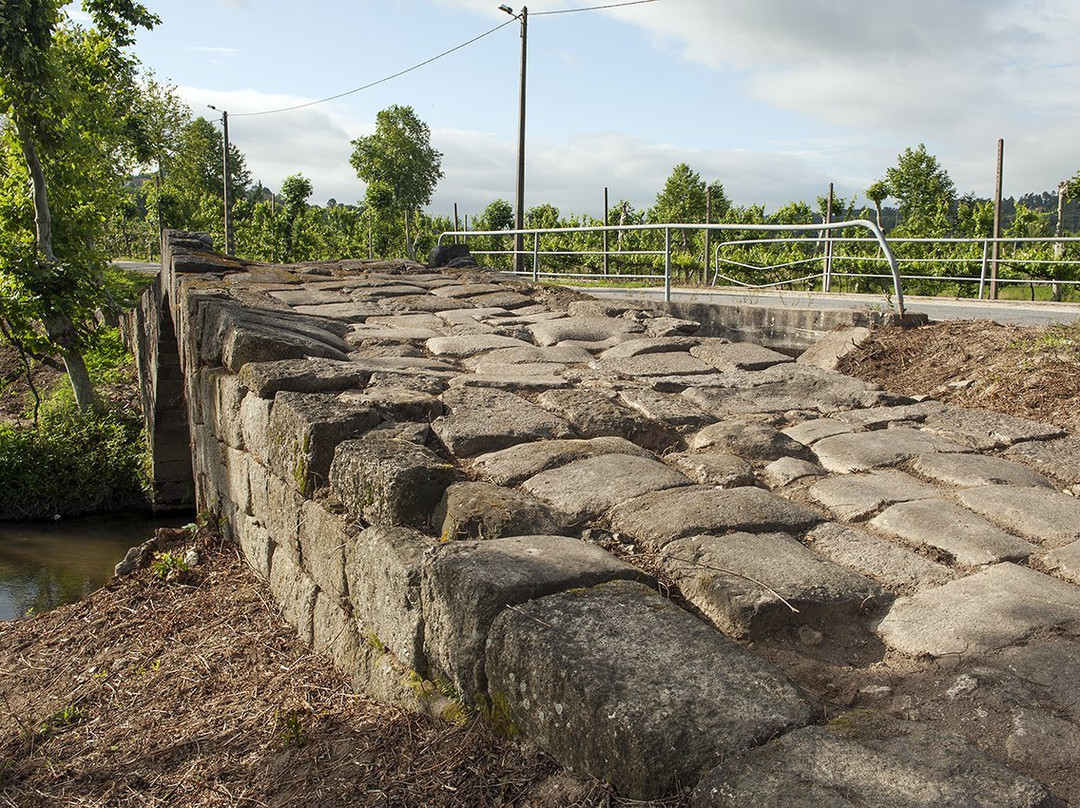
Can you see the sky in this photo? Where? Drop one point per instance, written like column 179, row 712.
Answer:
column 774, row 98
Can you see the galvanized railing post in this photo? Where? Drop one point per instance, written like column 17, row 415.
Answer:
column 985, row 264
column 536, row 257
column 667, row 264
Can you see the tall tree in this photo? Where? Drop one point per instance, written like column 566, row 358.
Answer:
column 683, row 197
column 877, row 193
column 399, row 158
column 924, row 191
column 66, row 98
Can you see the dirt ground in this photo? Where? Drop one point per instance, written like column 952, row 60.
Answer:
column 193, row 692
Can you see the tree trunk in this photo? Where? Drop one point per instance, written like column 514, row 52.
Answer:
column 877, row 209
column 58, row 326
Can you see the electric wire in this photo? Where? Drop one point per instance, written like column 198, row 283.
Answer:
column 432, row 59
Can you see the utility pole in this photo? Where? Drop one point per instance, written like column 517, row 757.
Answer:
column 519, row 214
column 225, row 177
column 996, row 250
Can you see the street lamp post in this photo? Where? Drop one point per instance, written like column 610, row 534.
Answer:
column 519, row 213
column 225, row 177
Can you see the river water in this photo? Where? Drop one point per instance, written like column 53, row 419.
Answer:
column 47, row 564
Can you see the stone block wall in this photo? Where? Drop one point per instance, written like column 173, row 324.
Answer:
column 470, row 492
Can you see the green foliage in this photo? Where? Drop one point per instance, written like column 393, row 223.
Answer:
column 398, row 157
column 289, row 728
column 924, row 190
column 169, row 567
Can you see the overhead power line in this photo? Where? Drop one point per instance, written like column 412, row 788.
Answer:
column 426, row 62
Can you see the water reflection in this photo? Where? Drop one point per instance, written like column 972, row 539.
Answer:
column 45, row 565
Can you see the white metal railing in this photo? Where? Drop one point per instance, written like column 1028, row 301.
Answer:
column 537, row 235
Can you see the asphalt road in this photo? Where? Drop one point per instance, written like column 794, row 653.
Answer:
column 1016, row 312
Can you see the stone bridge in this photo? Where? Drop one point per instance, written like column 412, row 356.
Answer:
column 670, row 557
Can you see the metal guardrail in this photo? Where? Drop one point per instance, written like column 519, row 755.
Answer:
column 537, row 235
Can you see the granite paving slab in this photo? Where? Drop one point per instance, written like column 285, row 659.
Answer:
column 482, row 420
column 880, row 417
column 517, row 463
column 583, row 329
column 972, row 470
column 477, row 510
column 671, row 363
column 787, row 470
column 659, row 517
column 862, row 760
column 527, row 355
column 898, row 569
column 856, row 496
column 862, row 451
column 810, row 432
column 597, row 413
column 312, row 375
column 588, row 488
column 968, row 538
column 1058, row 458
column 571, row 672
column 669, row 408
column 1044, row 517
column 991, row 609
column 781, row 388
column 706, row 468
column 1064, row 562
column 985, row 429
column 377, row 333
column 347, row 312
column 309, row 297
column 752, row 441
column 724, row 355
column 649, row 345
column 468, row 345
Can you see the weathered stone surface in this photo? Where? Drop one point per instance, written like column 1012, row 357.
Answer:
column 707, row 468
column 672, row 363
column 599, row 413
column 396, row 403
column 972, row 470
column 383, row 571
column 749, row 584
column 294, row 592
column 726, row 356
column 571, row 672
column 648, row 345
column 256, row 544
column 659, row 517
column 879, row 417
column 669, row 408
column 305, row 428
column 323, row 537
column 982, row 612
column 251, row 338
column 504, row 299
column 588, row 488
column 1044, row 517
column 810, row 432
column 983, row 429
column 420, row 303
column 512, row 466
column 265, row 379
column 460, row 290
column 787, row 470
column 867, row 761
column 309, row 297
column 334, row 632
column 582, row 329
column 749, row 440
column 785, row 387
column 971, row 540
column 861, row 451
column 367, row 333
column 473, row 344
column 350, row 312
column 1064, row 562
column 858, row 496
column 1058, row 458
column 389, row 481
column 556, row 354
column 484, row 511
column 835, row 345
column 466, row 585
column 898, row 569
column 483, row 420
column 670, row 326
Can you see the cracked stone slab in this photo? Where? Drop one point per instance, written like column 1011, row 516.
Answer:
column 472, row 344
column 669, row 408
column 786, row 387
column 749, row 584
column 351, row 312
column 570, row 671
column 787, row 470
column 469, row 316
column 583, row 329
column 459, row 290
column 810, row 432
column 659, row 517
column 265, row 379
column 599, row 413
column 751, row 441
column 649, row 345
column 588, row 488
column 309, row 297
column 485, row 420
column 855, row 497
column 481, row 511
column 503, row 299
column 727, row 356
column 397, row 403
column 968, row 538
column 527, row 355
column 991, row 609
column 367, row 332
column 515, row 378
column 672, row 363
column 1045, row 517
column 881, row 417
column 1064, row 562
column 517, row 463
column 898, row 569
column 862, row 451
column 984, row 430
column 972, row 470
column 724, row 471
column 860, row 760
column 1058, row 458
column 833, row 346
column 420, row 303
column 466, row 585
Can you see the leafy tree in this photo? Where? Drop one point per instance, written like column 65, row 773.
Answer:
column 399, row 159
column 683, row 200
column 295, row 192
column 542, row 216
column 498, row 215
column 924, row 190
column 68, row 123
column 877, row 193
